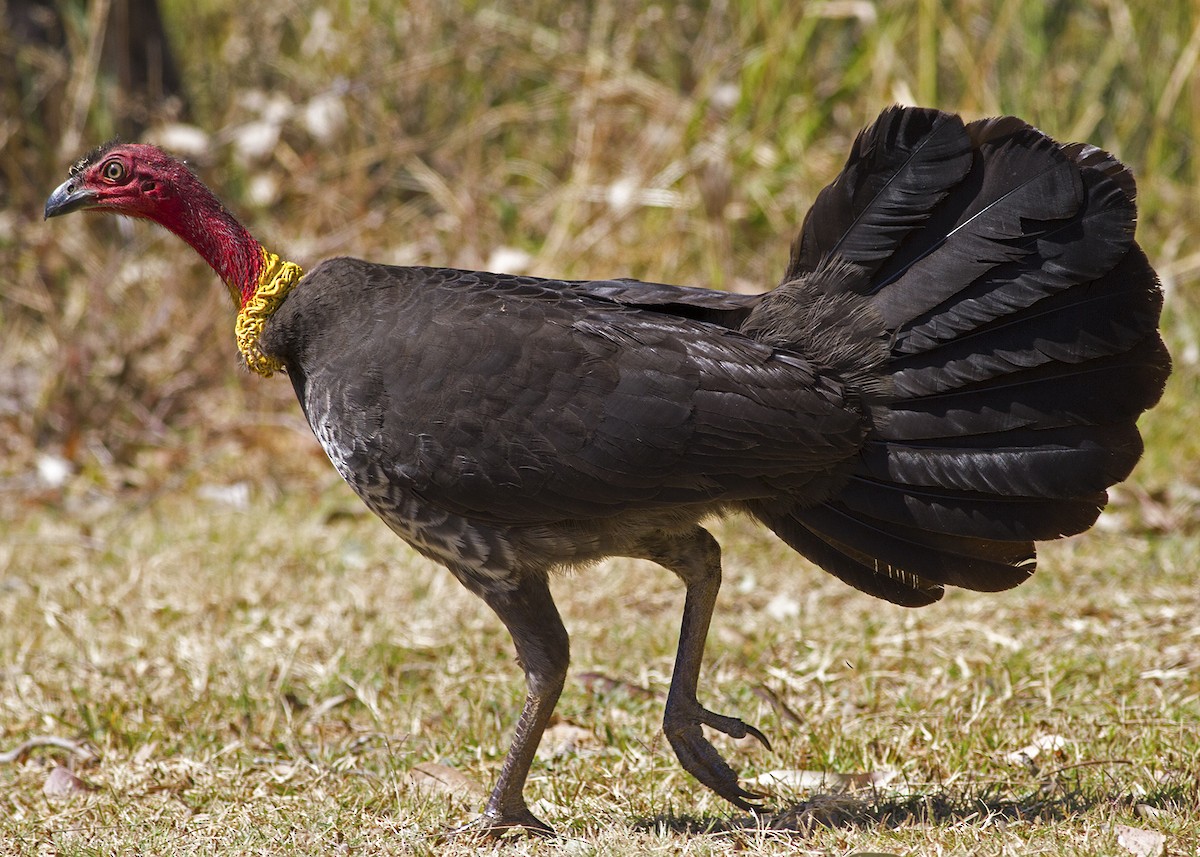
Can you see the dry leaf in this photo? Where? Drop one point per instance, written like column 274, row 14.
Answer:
column 1053, row 744
column 820, row 810
column 1142, row 843
column 61, row 783
column 797, row 780
column 564, row 739
column 1144, row 810
column 432, row 777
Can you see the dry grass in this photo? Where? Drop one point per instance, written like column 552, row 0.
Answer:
column 268, row 675
column 260, row 669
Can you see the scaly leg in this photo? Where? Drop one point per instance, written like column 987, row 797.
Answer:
column 696, row 558
column 543, row 650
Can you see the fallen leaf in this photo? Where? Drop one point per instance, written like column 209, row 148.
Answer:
column 62, row 783
column 1054, row 744
column 1142, row 843
column 565, row 739
column 1144, row 810
column 798, row 780
column 820, row 810
column 432, row 777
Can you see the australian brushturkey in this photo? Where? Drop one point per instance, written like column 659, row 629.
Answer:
column 950, row 370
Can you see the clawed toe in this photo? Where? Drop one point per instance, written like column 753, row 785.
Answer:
column 700, row 759
column 488, row 827
column 732, row 726
column 496, row 824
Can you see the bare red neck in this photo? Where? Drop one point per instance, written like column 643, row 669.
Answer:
column 198, row 217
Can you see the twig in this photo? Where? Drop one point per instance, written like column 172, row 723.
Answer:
column 79, row 748
column 598, row 682
column 772, row 699
column 1089, row 763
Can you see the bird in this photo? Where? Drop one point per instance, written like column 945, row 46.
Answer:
column 950, row 370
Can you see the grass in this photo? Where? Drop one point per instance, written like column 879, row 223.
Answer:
column 260, row 666
column 270, row 673
column 287, row 703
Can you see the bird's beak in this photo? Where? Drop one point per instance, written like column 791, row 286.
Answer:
column 68, row 197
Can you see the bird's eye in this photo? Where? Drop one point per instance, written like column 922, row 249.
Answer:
column 114, row 171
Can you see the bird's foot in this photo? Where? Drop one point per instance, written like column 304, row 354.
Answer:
column 498, row 824
column 699, row 758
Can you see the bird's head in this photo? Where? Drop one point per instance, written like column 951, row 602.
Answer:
column 133, row 179
column 139, row 180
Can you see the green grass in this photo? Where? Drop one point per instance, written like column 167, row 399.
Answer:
column 264, row 678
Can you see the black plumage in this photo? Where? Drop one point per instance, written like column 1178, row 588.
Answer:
column 963, row 341
column 951, row 370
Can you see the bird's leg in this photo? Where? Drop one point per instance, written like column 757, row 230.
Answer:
column 543, row 650
column 696, row 558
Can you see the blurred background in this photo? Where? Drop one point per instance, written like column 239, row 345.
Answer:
column 669, row 141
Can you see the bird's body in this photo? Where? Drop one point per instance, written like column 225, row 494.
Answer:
column 951, row 370
column 506, row 425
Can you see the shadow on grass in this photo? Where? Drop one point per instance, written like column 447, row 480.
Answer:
column 872, row 811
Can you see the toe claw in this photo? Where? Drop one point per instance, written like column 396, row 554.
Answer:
column 761, row 738
column 732, row 726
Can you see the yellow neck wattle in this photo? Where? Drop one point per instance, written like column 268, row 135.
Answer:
column 274, row 282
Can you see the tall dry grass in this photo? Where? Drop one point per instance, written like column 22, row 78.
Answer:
column 676, row 141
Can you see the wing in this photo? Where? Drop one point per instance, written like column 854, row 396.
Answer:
column 726, row 309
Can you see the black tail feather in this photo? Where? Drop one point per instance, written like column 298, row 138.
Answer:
column 1088, row 157
column 1023, row 323
column 852, row 565
column 1096, row 243
column 897, row 172
column 941, row 558
column 1016, row 180
column 1101, row 391
column 1049, row 331
column 1058, row 463
column 985, row 516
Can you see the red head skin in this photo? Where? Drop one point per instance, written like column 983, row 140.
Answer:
column 138, row 180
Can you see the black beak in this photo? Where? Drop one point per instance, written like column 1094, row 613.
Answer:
column 68, row 197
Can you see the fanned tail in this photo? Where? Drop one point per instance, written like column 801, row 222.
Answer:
column 1020, row 322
